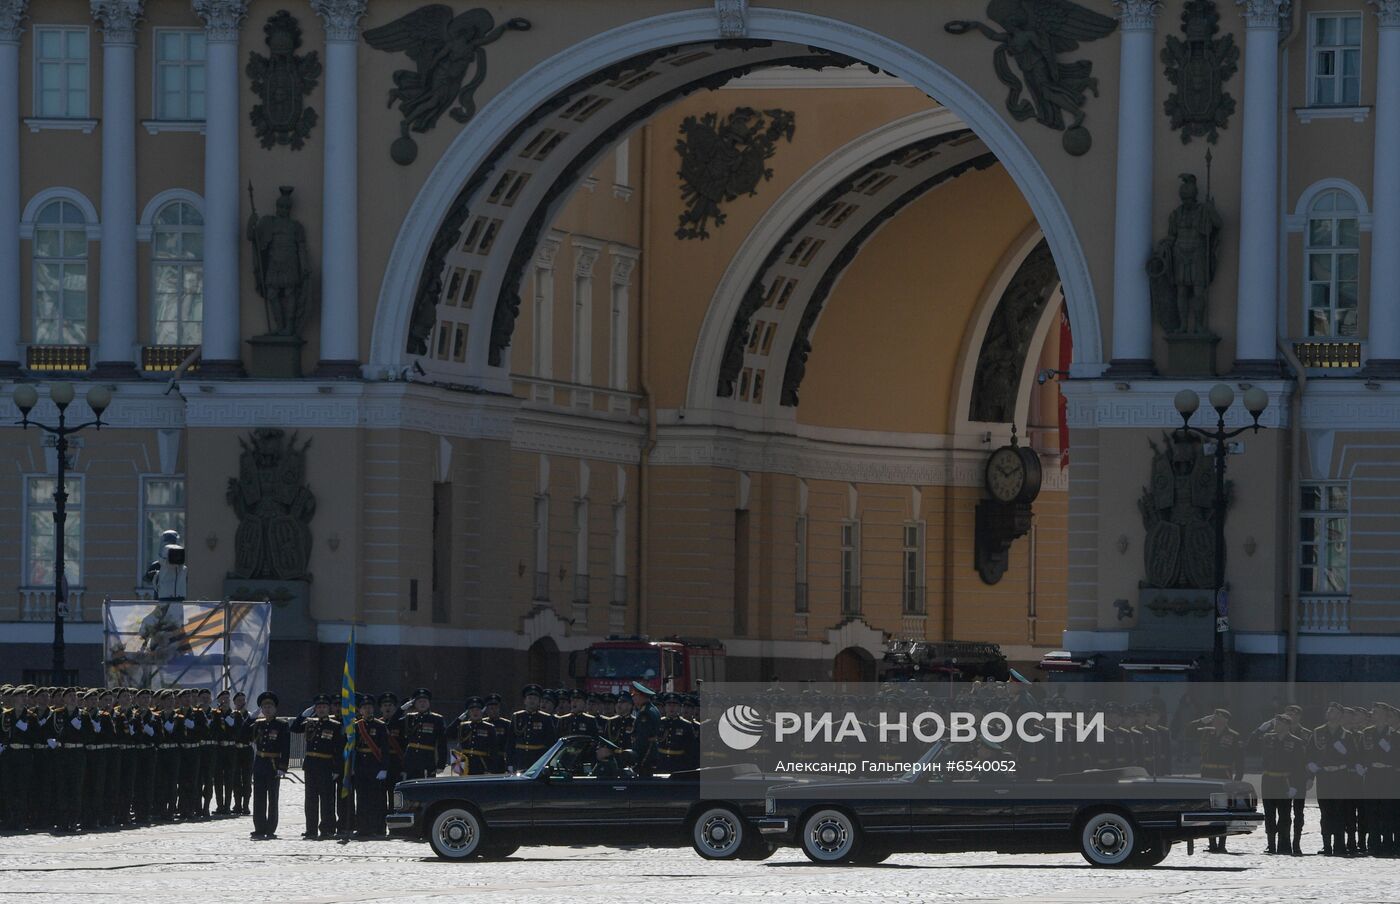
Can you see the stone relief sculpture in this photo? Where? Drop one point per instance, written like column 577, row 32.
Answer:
column 274, row 508
column 1198, row 68
column 1036, row 33
column 1184, row 263
column 281, row 265
column 723, row 159
column 1176, row 511
column 282, row 80
column 444, row 48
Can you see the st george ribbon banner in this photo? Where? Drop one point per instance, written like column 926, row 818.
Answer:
column 210, row 644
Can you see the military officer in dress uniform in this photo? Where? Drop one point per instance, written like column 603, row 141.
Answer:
column 169, row 757
column 369, row 770
column 272, row 744
column 71, row 733
column 647, row 728
column 678, row 744
column 1329, row 760
column 225, row 723
column 145, row 738
column 325, row 746
column 606, row 764
column 241, row 739
column 1281, row 752
column 623, row 727
column 392, row 717
column 491, row 710
column 193, row 723
column 1222, row 757
column 476, row 742
column 424, row 738
column 23, row 738
column 576, row 721
column 532, row 730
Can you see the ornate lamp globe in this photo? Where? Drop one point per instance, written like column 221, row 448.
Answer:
column 1221, row 398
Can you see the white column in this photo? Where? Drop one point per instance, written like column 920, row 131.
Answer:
column 1132, row 217
column 1256, row 311
column 1384, row 332
column 116, row 281
column 340, row 293
column 222, row 355
column 11, row 17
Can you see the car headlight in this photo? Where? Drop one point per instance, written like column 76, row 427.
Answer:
column 1220, row 800
column 770, row 806
column 398, row 800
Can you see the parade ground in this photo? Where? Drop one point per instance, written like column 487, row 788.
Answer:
column 214, row 861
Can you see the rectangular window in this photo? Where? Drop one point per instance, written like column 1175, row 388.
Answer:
column 60, row 72
column 542, row 548
column 617, row 335
column 442, row 552
column 543, row 322
column 39, row 543
column 1324, row 545
column 913, row 562
column 800, row 594
column 850, row 568
column 179, row 75
column 1334, row 55
column 162, row 509
column 583, row 329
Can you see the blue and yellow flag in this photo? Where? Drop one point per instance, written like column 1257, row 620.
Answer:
column 348, row 710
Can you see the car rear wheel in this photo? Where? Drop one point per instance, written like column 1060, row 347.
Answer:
column 718, row 834
column 1108, row 838
column 1150, row 852
column 455, row 834
column 830, row 836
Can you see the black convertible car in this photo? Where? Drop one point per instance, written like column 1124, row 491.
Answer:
column 559, row 801
column 1115, row 817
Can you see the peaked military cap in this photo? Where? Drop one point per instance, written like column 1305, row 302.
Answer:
column 529, row 689
column 322, row 698
column 492, row 698
column 266, row 696
column 643, row 689
column 422, row 694
column 473, row 703
column 388, row 697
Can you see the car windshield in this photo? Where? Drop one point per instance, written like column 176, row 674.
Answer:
column 567, row 755
column 624, row 663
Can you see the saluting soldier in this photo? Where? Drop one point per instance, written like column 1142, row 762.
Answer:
column 646, row 730
column 392, row 717
column 24, row 740
column 1222, row 757
column 1281, row 752
column 370, row 769
column 241, row 779
column 211, row 733
column 143, row 722
column 325, row 746
column 72, row 732
column 193, row 724
column 1303, row 778
column 477, row 741
column 169, row 756
column 532, row 730
column 491, row 710
column 576, row 721
column 1329, row 760
column 424, row 738
column 222, row 765
column 272, row 741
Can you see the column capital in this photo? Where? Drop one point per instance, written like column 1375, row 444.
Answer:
column 341, row 18
column 222, row 18
column 1264, row 13
column 118, row 18
column 1387, row 11
column 1137, row 15
column 12, row 16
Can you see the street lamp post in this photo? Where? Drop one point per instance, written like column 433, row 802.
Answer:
column 26, row 397
column 1221, row 398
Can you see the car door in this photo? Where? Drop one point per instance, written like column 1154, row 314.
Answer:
column 952, row 807
column 580, row 808
column 660, row 804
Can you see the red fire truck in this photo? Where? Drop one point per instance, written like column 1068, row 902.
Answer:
column 670, row 664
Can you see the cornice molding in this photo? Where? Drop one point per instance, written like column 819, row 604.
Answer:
column 118, row 19
column 222, row 18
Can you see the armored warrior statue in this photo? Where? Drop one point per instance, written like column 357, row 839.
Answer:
column 282, row 265
column 1184, row 264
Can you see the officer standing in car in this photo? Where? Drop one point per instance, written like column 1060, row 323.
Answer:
column 272, row 743
column 646, row 731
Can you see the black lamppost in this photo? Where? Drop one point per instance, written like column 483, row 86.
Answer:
column 1221, row 398
column 61, row 394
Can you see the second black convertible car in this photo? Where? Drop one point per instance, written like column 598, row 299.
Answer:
column 1114, row 817
column 560, row 800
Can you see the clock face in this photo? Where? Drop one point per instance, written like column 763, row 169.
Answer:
column 1006, row 474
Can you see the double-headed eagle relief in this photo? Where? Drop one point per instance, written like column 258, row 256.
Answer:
column 1198, row 68
column 274, row 508
column 282, row 80
column 445, row 48
column 1027, row 59
column 723, row 159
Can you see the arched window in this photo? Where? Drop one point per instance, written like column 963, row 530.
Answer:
column 177, row 274
column 60, row 275
column 1332, row 265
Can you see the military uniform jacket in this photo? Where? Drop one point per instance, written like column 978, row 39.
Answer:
column 648, row 727
column 71, row 727
column 172, row 727
column 622, row 730
column 1332, row 751
column 1283, row 758
column 241, row 734
column 222, row 724
column 478, row 744
column 325, row 739
column 394, row 726
column 531, row 734
column 678, row 743
column 22, row 730
column 273, row 740
column 138, row 720
column 1222, row 754
column 371, row 748
column 425, row 735
column 577, row 723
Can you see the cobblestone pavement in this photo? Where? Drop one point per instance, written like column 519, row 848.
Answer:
column 210, row 862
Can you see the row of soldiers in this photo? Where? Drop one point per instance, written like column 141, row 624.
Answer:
column 87, row 758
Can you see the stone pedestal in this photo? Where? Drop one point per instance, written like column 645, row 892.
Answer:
column 1182, row 620
column 278, row 357
column 291, row 605
column 1191, row 356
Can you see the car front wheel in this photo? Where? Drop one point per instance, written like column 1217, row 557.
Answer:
column 830, row 836
column 455, row 834
column 1108, row 838
column 718, row 834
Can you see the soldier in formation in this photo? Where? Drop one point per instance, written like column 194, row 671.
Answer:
column 325, row 750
